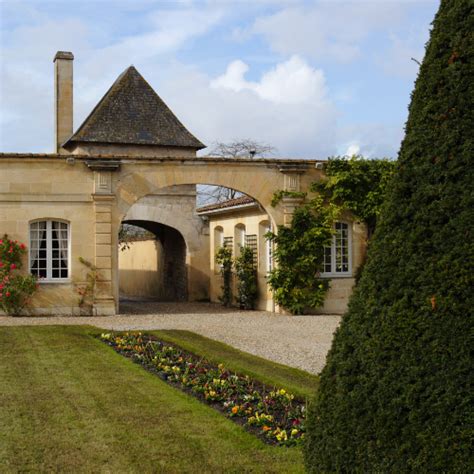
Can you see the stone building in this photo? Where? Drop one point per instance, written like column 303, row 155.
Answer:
column 50, row 203
column 243, row 222
column 130, row 161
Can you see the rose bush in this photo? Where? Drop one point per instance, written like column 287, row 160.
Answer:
column 275, row 415
column 15, row 289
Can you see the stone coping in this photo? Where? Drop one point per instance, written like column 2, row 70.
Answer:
column 129, row 158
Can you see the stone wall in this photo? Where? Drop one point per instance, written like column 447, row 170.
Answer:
column 224, row 225
column 141, row 269
column 227, row 225
column 50, row 189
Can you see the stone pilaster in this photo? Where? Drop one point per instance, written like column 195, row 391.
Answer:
column 104, row 204
column 289, row 206
column 104, row 302
column 291, row 183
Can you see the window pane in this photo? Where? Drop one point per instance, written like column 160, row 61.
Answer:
column 49, row 249
column 341, row 247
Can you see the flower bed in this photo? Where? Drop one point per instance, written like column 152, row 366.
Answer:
column 274, row 415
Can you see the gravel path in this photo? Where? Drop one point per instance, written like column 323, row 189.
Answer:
column 297, row 341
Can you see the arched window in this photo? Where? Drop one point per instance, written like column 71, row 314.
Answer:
column 218, row 243
column 338, row 255
column 239, row 238
column 49, row 250
column 265, row 249
column 218, row 238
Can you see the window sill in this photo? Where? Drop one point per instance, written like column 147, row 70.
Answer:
column 337, row 275
column 62, row 281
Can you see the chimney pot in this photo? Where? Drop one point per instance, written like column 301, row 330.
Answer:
column 63, row 55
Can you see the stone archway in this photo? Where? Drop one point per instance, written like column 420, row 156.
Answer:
column 121, row 182
column 166, row 275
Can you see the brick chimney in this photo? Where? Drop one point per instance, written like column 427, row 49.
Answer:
column 63, row 98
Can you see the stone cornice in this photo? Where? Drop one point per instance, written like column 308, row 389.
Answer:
column 281, row 162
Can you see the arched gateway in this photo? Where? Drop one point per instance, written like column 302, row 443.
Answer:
column 68, row 205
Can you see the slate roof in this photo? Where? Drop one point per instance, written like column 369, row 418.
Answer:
column 240, row 201
column 132, row 113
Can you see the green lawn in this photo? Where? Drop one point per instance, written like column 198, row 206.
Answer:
column 69, row 403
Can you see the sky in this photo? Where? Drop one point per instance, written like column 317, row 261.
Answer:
column 313, row 79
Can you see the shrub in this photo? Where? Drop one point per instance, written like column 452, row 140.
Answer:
column 224, row 259
column 15, row 289
column 395, row 393
column 246, row 273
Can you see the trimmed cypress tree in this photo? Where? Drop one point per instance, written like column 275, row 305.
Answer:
column 394, row 395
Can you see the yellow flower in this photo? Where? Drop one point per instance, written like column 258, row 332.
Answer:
column 235, row 409
column 282, row 392
column 294, row 432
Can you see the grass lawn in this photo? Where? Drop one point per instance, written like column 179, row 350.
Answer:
column 69, row 403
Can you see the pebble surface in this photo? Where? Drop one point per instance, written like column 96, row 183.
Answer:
column 297, row 341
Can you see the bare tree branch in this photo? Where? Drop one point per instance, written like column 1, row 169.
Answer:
column 244, row 148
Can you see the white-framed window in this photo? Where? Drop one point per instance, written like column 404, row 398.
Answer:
column 338, row 255
column 49, row 254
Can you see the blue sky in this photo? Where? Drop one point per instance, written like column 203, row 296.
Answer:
column 312, row 78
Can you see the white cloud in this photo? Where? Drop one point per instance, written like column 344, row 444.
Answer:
column 26, row 88
column 352, row 149
column 329, row 30
column 289, row 82
column 216, row 113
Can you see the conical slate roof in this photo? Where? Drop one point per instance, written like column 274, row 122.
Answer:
column 132, row 113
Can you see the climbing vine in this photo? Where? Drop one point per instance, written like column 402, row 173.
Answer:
column 87, row 291
column 355, row 184
column 299, row 253
column 279, row 195
column 247, row 286
column 224, row 259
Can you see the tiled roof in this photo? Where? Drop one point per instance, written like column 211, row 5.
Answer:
column 132, row 113
column 240, row 201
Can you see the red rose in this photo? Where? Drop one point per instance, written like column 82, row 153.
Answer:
column 13, row 266
column 7, row 293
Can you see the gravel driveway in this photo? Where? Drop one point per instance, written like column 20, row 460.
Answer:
column 298, row 341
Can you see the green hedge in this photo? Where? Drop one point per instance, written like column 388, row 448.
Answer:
column 394, row 395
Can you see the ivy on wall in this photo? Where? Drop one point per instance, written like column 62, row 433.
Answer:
column 246, row 273
column 299, row 253
column 247, row 286
column 224, row 259
column 357, row 185
column 353, row 184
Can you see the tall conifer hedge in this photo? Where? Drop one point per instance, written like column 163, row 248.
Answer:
column 395, row 392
